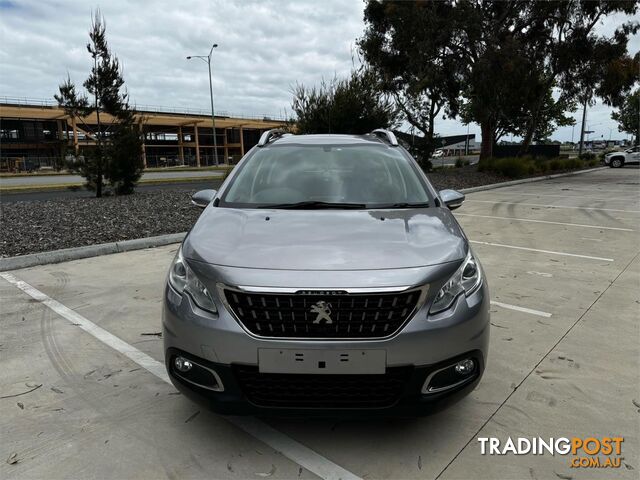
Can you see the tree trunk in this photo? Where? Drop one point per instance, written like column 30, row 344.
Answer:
column 535, row 119
column 99, row 137
column 99, row 174
column 584, row 121
column 529, row 135
column 486, row 148
column 432, row 118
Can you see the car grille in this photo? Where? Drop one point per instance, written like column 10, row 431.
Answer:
column 322, row 391
column 301, row 316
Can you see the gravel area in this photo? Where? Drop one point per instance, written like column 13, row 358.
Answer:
column 43, row 225
column 464, row 177
column 39, row 226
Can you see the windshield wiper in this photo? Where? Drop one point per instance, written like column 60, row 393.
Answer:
column 312, row 204
column 403, row 205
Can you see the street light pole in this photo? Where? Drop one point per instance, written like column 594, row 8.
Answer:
column 207, row 59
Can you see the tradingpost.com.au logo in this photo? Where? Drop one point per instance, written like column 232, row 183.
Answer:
column 588, row 452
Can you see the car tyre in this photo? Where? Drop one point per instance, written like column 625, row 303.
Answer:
column 616, row 162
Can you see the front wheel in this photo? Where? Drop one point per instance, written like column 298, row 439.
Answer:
column 616, row 163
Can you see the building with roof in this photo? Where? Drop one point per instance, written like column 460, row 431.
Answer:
column 36, row 133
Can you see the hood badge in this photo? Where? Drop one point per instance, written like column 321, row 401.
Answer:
column 321, row 292
column 323, row 309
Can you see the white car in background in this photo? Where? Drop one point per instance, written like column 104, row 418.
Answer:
column 438, row 153
column 619, row 159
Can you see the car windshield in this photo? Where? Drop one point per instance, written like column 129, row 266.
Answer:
column 321, row 176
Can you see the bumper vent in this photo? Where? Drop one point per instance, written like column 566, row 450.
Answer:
column 375, row 315
column 322, row 391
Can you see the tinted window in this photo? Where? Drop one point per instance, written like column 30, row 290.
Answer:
column 362, row 174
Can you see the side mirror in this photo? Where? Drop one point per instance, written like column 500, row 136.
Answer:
column 203, row 198
column 452, row 198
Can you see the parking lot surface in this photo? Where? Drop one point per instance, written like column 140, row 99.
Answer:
column 562, row 260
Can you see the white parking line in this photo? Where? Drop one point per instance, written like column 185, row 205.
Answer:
column 542, row 251
column 555, row 206
column 280, row 442
column 521, row 309
column 516, row 193
column 546, row 221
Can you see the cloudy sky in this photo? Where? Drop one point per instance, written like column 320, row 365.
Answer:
column 265, row 47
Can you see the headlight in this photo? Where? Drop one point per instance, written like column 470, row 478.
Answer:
column 183, row 279
column 465, row 280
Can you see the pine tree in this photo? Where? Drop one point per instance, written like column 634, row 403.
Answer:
column 116, row 156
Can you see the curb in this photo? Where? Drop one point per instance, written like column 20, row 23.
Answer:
column 67, row 254
column 492, row 186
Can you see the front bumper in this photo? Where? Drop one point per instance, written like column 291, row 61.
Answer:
column 238, row 399
column 219, row 342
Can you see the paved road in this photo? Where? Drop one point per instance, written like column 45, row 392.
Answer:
column 30, row 196
column 36, row 180
column 563, row 260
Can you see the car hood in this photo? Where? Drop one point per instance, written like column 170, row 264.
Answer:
column 325, row 239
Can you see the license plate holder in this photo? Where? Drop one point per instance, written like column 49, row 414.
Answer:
column 322, row 362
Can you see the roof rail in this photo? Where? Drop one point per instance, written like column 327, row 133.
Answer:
column 270, row 135
column 388, row 134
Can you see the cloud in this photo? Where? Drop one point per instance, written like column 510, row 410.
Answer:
column 265, row 47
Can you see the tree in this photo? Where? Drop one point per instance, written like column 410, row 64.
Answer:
column 502, row 59
column 352, row 105
column 628, row 115
column 407, row 46
column 116, row 156
column 585, row 65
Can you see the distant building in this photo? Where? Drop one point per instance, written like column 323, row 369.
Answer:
column 41, row 135
column 455, row 145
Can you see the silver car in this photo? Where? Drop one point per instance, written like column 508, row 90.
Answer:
column 326, row 276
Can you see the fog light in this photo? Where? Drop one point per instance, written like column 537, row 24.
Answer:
column 465, row 367
column 182, row 364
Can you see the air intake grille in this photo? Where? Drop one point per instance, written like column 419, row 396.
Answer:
column 316, row 316
column 322, row 391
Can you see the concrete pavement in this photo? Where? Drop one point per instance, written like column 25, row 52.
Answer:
column 563, row 360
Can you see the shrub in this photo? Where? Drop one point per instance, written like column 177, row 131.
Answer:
column 573, row 163
column 459, row 163
column 587, row 156
column 511, row 167
column 543, row 166
column 555, row 165
column 516, row 167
